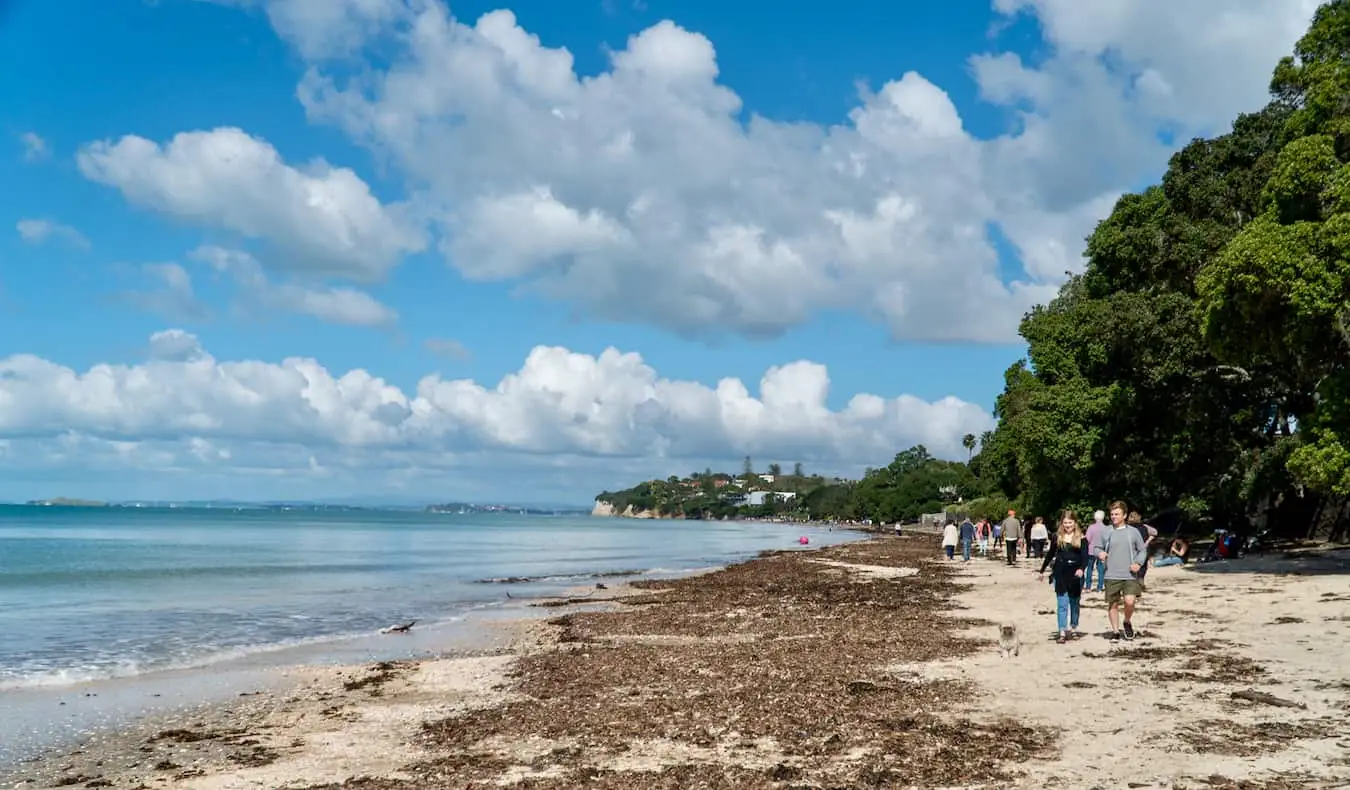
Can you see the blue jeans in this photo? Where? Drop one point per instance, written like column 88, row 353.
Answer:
column 965, row 550
column 1100, row 568
column 1066, row 611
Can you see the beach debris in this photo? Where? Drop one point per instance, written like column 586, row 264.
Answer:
column 402, row 628
column 1262, row 698
column 684, row 669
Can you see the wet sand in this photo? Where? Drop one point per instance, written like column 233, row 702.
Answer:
column 865, row 665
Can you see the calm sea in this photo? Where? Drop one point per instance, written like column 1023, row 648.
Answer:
column 96, row 593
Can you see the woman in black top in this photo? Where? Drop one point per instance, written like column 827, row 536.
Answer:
column 1069, row 553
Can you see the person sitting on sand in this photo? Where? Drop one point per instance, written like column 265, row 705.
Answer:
column 1177, row 554
column 949, row 539
column 1069, row 553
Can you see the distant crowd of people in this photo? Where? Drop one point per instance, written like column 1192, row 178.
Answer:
column 1116, row 557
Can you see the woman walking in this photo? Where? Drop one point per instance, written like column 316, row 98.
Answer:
column 949, row 539
column 1069, row 554
column 1040, row 537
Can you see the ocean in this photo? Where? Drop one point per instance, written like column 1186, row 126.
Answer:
column 178, row 605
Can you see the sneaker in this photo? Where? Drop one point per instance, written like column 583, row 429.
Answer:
column 1129, row 630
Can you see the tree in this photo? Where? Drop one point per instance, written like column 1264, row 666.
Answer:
column 748, row 468
column 776, row 470
column 797, row 470
column 1201, row 362
column 968, row 442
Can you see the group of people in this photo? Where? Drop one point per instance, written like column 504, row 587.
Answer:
column 985, row 535
column 1115, row 557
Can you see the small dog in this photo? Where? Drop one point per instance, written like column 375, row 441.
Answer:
column 1008, row 643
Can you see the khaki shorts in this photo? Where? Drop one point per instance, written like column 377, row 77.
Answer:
column 1117, row 589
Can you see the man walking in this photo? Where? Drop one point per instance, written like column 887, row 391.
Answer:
column 1122, row 551
column 967, row 538
column 1012, row 534
column 1094, row 565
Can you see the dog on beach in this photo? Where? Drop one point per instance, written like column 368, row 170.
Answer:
column 402, row 628
column 1008, row 643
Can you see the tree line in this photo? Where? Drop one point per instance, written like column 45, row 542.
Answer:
column 1198, row 365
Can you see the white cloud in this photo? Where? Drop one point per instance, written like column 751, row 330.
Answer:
column 448, row 348
column 560, row 403
column 337, row 305
column 35, row 149
column 640, row 194
column 40, row 231
column 320, row 218
column 170, row 294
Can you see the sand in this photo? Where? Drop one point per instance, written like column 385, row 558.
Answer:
column 1160, row 709
column 864, row 665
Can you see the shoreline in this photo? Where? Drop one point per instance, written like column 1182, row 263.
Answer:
column 46, row 716
column 869, row 663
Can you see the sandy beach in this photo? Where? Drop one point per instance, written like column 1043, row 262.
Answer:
column 871, row 664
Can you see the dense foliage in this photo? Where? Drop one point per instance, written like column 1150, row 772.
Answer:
column 1198, row 365
column 1199, row 362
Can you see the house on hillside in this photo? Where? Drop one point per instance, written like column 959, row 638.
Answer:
column 767, row 478
column 757, row 498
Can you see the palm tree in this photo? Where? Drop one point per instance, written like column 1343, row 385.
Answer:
column 968, row 442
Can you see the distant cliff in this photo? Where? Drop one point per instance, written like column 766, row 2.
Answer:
column 603, row 508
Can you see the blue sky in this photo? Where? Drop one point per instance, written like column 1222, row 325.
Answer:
column 928, row 315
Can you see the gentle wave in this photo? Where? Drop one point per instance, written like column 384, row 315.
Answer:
column 560, row 578
column 103, row 575
column 116, row 668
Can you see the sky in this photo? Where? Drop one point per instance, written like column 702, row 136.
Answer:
column 398, row 250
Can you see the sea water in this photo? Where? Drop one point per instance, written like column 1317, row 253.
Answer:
column 108, row 611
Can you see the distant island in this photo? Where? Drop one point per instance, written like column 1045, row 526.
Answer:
column 66, row 502
column 464, row 508
column 308, row 507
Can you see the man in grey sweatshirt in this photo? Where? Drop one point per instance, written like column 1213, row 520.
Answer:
column 1122, row 552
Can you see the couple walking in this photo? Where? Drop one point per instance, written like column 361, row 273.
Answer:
column 1117, row 553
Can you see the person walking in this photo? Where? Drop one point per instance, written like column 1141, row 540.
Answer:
column 949, row 538
column 1122, row 551
column 984, row 536
column 1069, row 554
column 1012, row 533
column 1094, row 538
column 1149, row 534
column 1040, row 537
column 967, row 534
column 998, row 536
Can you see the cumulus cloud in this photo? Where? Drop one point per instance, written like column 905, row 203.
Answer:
column 35, row 149
column 321, row 218
column 640, row 193
column 333, row 304
column 559, row 403
column 40, row 231
column 169, row 293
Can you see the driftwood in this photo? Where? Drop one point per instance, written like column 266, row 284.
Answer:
column 402, row 628
column 1263, row 698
